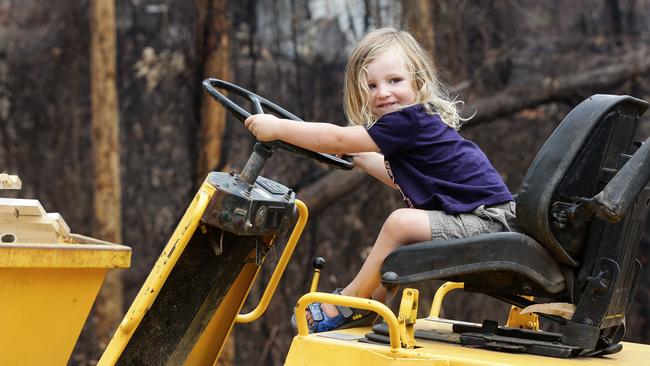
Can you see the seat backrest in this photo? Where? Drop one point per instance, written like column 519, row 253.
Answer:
column 556, row 205
column 577, row 160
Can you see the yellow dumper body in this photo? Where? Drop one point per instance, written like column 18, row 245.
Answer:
column 46, row 293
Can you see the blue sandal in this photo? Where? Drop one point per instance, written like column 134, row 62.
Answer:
column 347, row 318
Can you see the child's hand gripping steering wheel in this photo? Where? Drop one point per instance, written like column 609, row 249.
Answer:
column 212, row 86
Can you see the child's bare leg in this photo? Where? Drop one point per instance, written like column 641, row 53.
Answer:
column 379, row 294
column 403, row 226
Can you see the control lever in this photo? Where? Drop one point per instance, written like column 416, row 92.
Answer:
column 318, row 263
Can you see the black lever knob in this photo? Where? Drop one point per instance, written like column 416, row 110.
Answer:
column 318, row 263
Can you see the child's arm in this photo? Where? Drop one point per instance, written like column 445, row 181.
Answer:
column 321, row 137
column 373, row 164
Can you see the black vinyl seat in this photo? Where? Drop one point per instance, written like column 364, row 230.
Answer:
column 506, row 262
column 581, row 209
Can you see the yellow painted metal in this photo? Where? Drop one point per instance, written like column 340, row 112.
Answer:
column 46, row 293
column 314, row 280
column 372, row 305
column 207, row 349
column 440, row 296
column 342, row 347
column 515, row 318
column 320, row 350
column 209, row 346
column 158, row 275
column 279, row 269
column 42, row 312
column 408, row 315
column 64, row 255
column 523, row 321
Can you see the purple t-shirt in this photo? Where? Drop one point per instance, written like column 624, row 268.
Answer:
column 433, row 166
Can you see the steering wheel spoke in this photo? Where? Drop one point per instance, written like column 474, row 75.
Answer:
column 257, row 105
column 213, row 86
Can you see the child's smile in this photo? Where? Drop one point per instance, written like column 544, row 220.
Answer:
column 390, row 84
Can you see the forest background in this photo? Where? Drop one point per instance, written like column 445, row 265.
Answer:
column 120, row 151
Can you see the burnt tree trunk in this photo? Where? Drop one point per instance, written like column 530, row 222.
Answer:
column 214, row 46
column 45, row 113
column 418, row 16
column 159, row 94
column 214, row 51
column 293, row 52
column 106, row 159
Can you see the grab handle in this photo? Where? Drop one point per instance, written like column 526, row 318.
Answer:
column 355, row 302
column 279, row 269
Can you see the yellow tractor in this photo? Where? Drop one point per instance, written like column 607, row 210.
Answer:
column 582, row 210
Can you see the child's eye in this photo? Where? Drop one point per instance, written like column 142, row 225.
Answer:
column 371, row 86
column 395, row 80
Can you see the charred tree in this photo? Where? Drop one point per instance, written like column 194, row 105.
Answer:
column 157, row 69
column 213, row 37
column 106, row 159
column 293, row 52
column 214, row 47
column 418, row 16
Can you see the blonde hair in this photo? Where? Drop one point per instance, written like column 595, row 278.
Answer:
column 429, row 91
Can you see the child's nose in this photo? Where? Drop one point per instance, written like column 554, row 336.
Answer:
column 383, row 91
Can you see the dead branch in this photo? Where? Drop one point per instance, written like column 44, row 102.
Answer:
column 325, row 190
column 537, row 92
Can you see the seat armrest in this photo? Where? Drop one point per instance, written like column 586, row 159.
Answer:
column 614, row 200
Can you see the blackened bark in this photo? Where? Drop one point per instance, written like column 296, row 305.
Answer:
column 106, row 160
column 157, row 48
column 484, row 50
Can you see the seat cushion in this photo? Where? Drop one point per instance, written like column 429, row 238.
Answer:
column 506, row 263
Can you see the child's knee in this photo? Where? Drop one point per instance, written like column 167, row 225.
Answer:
column 408, row 225
column 398, row 221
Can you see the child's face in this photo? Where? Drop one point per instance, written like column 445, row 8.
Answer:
column 390, row 84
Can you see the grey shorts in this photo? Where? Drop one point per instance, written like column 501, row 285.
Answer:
column 480, row 221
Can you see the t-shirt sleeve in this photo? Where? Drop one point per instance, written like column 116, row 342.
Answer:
column 394, row 132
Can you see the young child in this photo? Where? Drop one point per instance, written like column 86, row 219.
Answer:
column 405, row 136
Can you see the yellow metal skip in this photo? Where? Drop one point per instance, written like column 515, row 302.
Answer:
column 46, row 293
column 42, row 312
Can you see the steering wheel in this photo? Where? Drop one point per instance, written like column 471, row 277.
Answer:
column 213, row 86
